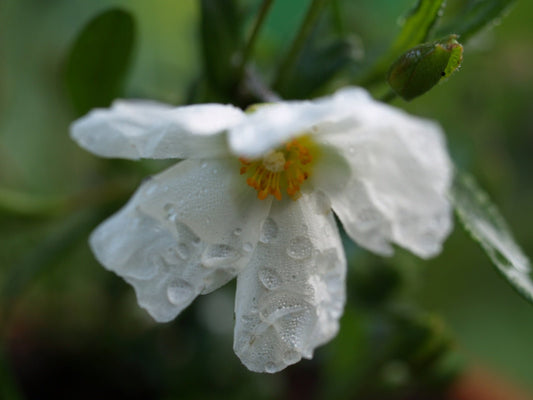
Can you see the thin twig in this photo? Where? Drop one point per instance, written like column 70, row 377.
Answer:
column 263, row 12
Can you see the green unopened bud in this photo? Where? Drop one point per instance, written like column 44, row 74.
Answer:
column 422, row 67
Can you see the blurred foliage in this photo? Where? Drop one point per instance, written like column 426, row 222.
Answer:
column 72, row 330
column 99, row 60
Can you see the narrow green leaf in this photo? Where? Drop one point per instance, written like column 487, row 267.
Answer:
column 318, row 65
column 422, row 67
column 415, row 30
column 99, row 60
column 475, row 16
column 221, row 32
column 485, row 224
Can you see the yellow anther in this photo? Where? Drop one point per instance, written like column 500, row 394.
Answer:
column 283, row 169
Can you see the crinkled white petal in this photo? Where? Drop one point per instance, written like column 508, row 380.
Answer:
column 399, row 179
column 291, row 296
column 140, row 129
column 273, row 124
column 185, row 232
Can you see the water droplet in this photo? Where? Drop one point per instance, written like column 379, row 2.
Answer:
column 269, row 277
column 145, row 271
column 183, row 251
column 269, row 231
column 368, row 218
column 279, row 305
column 219, row 254
column 151, row 189
column 270, row 367
column 179, row 292
column 323, row 204
column 165, row 188
column 237, row 232
column 208, row 220
column 300, row 248
column 291, row 356
column 215, row 171
column 204, row 164
column 170, row 209
column 186, row 235
column 247, row 247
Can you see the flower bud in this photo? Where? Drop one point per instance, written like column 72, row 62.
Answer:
column 422, row 67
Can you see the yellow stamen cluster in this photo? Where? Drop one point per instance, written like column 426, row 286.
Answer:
column 286, row 168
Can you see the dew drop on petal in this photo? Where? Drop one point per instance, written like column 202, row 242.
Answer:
column 323, row 203
column 291, row 356
column 219, row 254
column 183, row 251
column 269, row 231
column 300, row 248
column 152, row 267
column 270, row 367
column 237, row 232
column 368, row 219
column 247, row 247
column 170, row 210
column 279, row 306
column 269, row 278
column 179, row 292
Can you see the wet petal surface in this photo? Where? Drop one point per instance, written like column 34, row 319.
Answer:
column 291, row 296
column 141, row 129
column 185, row 232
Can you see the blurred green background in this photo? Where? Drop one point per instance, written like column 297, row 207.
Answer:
column 70, row 329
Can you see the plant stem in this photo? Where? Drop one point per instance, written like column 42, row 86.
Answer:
column 263, row 12
column 291, row 57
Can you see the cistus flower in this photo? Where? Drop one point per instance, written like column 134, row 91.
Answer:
column 254, row 199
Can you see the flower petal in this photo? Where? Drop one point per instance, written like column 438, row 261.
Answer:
column 291, row 296
column 399, row 180
column 273, row 124
column 140, row 129
column 185, row 232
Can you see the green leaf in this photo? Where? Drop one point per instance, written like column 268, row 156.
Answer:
column 318, row 65
column 476, row 15
column 415, row 30
column 221, row 42
column 419, row 69
column 485, row 224
column 99, row 60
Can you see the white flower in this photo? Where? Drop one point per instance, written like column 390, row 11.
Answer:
column 217, row 214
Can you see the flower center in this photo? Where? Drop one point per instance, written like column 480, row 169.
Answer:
column 282, row 169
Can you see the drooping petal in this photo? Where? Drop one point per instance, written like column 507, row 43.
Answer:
column 273, row 124
column 399, row 180
column 291, row 296
column 185, row 232
column 141, row 129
